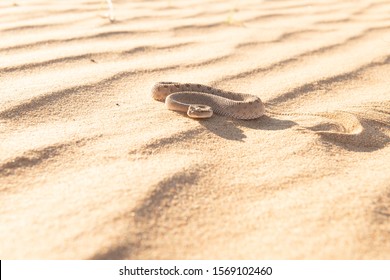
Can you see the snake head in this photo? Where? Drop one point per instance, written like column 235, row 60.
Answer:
column 199, row 111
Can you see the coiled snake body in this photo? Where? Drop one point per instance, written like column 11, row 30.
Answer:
column 200, row 101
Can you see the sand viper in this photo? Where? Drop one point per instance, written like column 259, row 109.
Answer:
column 200, row 101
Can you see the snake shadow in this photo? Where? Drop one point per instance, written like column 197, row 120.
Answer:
column 230, row 129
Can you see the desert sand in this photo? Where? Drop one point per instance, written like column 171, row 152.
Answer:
column 91, row 167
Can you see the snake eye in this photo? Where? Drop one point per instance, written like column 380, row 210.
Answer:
column 201, row 108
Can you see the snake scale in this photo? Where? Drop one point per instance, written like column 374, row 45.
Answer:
column 200, row 101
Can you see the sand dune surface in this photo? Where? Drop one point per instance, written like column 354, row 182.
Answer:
column 91, row 167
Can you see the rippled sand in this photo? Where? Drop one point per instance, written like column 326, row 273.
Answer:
column 91, row 167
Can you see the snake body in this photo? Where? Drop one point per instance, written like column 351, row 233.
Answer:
column 200, row 101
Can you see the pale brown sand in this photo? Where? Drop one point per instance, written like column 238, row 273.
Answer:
column 91, row 167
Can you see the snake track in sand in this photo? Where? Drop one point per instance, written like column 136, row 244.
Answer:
column 200, row 101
